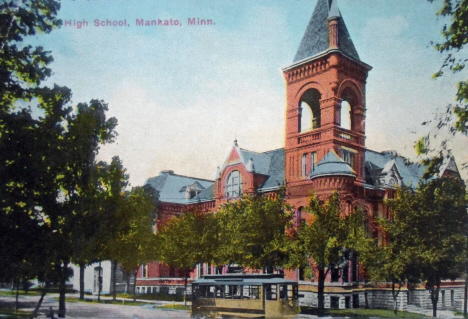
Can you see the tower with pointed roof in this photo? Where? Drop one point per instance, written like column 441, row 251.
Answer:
column 325, row 94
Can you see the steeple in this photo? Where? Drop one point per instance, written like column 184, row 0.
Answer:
column 326, row 104
column 318, row 36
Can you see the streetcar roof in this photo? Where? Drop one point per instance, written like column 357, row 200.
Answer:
column 237, row 280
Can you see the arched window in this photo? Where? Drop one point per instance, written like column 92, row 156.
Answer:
column 309, row 105
column 234, row 185
column 350, row 100
column 345, row 115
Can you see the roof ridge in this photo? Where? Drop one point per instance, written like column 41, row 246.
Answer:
column 197, row 178
column 276, row 149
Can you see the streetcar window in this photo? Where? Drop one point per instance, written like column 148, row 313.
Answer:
column 271, row 293
column 251, row 292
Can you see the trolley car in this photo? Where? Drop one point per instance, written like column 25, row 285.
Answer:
column 247, row 296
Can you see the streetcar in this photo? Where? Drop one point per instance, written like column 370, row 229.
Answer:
column 244, row 296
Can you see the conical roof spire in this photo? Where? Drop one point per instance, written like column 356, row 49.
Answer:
column 316, row 36
column 334, row 11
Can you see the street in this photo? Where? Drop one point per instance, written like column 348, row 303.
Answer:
column 82, row 310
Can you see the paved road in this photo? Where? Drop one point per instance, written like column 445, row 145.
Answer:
column 80, row 310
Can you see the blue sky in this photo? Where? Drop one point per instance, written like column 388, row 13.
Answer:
column 182, row 94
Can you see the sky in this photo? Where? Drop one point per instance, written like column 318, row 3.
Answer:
column 183, row 93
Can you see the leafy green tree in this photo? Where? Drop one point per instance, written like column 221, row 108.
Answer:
column 111, row 219
column 187, row 240
column 327, row 238
column 431, row 222
column 135, row 240
column 393, row 260
column 455, row 34
column 100, row 217
column 49, row 181
column 23, row 67
column 455, row 118
column 253, row 231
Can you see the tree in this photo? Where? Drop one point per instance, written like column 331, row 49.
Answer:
column 100, row 219
column 24, row 67
column 135, row 240
column 432, row 222
column 48, row 154
column 455, row 35
column 327, row 238
column 393, row 260
column 253, row 231
column 187, row 240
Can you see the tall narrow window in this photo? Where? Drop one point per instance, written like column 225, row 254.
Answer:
column 345, row 115
column 306, row 117
column 313, row 161
column 233, row 185
column 144, row 271
column 304, row 165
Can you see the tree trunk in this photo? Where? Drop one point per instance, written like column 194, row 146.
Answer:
column 127, row 280
column 114, row 279
column 134, row 284
column 17, row 294
column 82, row 286
column 465, row 301
column 395, row 297
column 62, row 289
column 185, row 289
column 321, row 290
column 99, row 283
column 434, row 289
column 39, row 303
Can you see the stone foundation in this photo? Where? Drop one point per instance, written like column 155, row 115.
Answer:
column 450, row 298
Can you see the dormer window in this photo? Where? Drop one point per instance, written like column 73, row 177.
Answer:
column 348, row 155
column 233, row 185
column 192, row 190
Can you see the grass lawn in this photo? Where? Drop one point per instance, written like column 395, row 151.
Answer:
column 163, row 297
column 12, row 293
column 175, row 307
column 105, row 301
column 364, row 313
column 9, row 314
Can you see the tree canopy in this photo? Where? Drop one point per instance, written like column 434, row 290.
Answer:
column 253, row 231
column 455, row 117
column 429, row 226
column 327, row 239
column 24, row 67
column 51, row 186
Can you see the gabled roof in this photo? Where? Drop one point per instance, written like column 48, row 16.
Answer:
column 205, row 195
column 448, row 165
column 389, row 166
column 258, row 163
column 332, row 165
column 316, row 40
column 379, row 163
column 169, row 186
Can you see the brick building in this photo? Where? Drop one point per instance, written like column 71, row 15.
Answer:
column 324, row 150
